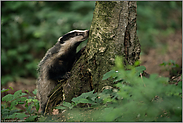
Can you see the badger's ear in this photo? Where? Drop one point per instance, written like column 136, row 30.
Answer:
column 60, row 40
column 65, row 37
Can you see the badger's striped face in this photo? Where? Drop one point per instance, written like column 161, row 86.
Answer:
column 71, row 40
column 66, row 44
column 74, row 36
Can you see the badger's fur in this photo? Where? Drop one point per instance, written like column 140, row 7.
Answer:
column 57, row 62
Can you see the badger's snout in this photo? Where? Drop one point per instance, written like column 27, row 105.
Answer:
column 86, row 34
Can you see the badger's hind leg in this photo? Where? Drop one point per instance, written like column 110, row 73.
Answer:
column 44, row 88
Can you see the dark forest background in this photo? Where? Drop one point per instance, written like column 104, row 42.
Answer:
column 29, row 29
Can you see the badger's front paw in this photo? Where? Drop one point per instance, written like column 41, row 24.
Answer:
column 65, row 77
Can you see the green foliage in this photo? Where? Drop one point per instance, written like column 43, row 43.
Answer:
column 9, row 112
column 132, row 98
column 88, row 97
column 30, row 28
column 171, row 66
column 85, row 98
column 5, row 90
column 170, row 63
column 157, row 19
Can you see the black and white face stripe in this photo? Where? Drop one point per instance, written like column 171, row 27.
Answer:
column 72, row 34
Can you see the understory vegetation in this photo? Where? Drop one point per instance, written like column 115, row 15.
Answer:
column 132, row 98
column 29, row 106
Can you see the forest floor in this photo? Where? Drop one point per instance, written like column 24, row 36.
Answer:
column 169, row 48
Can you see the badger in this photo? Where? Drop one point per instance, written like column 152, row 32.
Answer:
column 57, row 63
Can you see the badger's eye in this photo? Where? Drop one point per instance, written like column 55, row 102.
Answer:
column 78, row 34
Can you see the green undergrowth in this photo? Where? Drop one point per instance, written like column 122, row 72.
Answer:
column 29, row 107
column 133, row 98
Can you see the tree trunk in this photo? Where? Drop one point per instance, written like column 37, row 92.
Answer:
column 112, row 32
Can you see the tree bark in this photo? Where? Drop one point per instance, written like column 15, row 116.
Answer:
column 113, row 32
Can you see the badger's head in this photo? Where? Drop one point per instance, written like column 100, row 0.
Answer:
column 73, row 38
column 66, row 44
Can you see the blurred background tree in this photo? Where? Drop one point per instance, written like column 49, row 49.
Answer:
column 29, row 29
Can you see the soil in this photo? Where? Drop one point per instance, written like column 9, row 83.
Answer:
column 168, row 48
